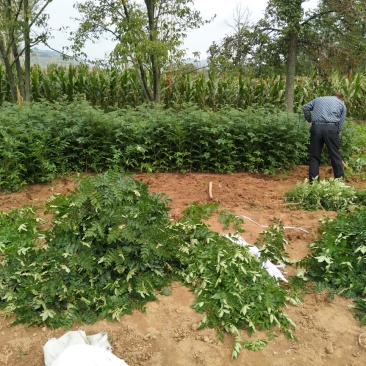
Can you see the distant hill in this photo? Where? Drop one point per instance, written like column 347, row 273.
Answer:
column 197, row 63
column 46, row 57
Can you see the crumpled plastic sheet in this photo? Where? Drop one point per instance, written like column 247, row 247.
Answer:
column 271, row 268
column 75, row 348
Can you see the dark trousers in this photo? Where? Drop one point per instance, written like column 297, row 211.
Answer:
column 327, row 134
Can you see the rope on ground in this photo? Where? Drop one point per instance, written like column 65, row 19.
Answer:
column 266, row 226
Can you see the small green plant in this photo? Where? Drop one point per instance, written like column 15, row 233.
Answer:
column 228, row 218
column 255, row 345
column 272, row 243
column 232, row 290
column 196, row 211
column 338, row 259
column 330, row 195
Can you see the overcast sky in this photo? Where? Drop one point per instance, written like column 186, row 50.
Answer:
column 61, row 12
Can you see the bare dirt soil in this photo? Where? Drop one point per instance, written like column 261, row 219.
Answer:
column 166, row 334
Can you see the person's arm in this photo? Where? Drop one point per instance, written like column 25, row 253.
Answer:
column 307, row 108
column 343, row 117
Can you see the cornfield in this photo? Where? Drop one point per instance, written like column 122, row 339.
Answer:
column 111, row 88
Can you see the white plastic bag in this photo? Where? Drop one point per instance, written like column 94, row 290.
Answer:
column 61, row 349
column 87, row 355
column 271, row 268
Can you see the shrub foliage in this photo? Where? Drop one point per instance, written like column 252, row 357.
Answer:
column 338, row 259
column 42, row 141
column 111, row 247
column 330, row 195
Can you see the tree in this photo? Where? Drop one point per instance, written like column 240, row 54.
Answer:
column 338, row 38
column 337, row 27
column 284, row 17
column 17, row 19
column 7, row 28
column 271, row 40
column 148, row 34
column 247, row 49
column 235, row 50
column 330, row 37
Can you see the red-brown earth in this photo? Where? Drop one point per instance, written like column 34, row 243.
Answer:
column 166, row 334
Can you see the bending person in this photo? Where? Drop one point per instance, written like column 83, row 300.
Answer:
column 326, row 116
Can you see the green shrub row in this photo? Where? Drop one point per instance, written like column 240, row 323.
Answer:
column 41, row 141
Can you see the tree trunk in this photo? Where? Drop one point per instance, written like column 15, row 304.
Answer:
column 27, row 66
column 9, row 72
column 156, row 81
column 290, row 71
column 144, row 83
column 19, row 70
column 150, row 5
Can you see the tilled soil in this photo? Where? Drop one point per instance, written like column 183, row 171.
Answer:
column 166, row 334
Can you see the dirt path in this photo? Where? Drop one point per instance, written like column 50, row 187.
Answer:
column 166, row 335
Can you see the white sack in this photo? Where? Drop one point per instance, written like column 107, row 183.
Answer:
column 98, row 343
column 87, row 355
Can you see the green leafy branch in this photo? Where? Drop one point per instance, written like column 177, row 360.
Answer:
column 111, row 247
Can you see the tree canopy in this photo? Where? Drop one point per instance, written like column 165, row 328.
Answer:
column 148, row 34
column 290, row 41
column 17, row 20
